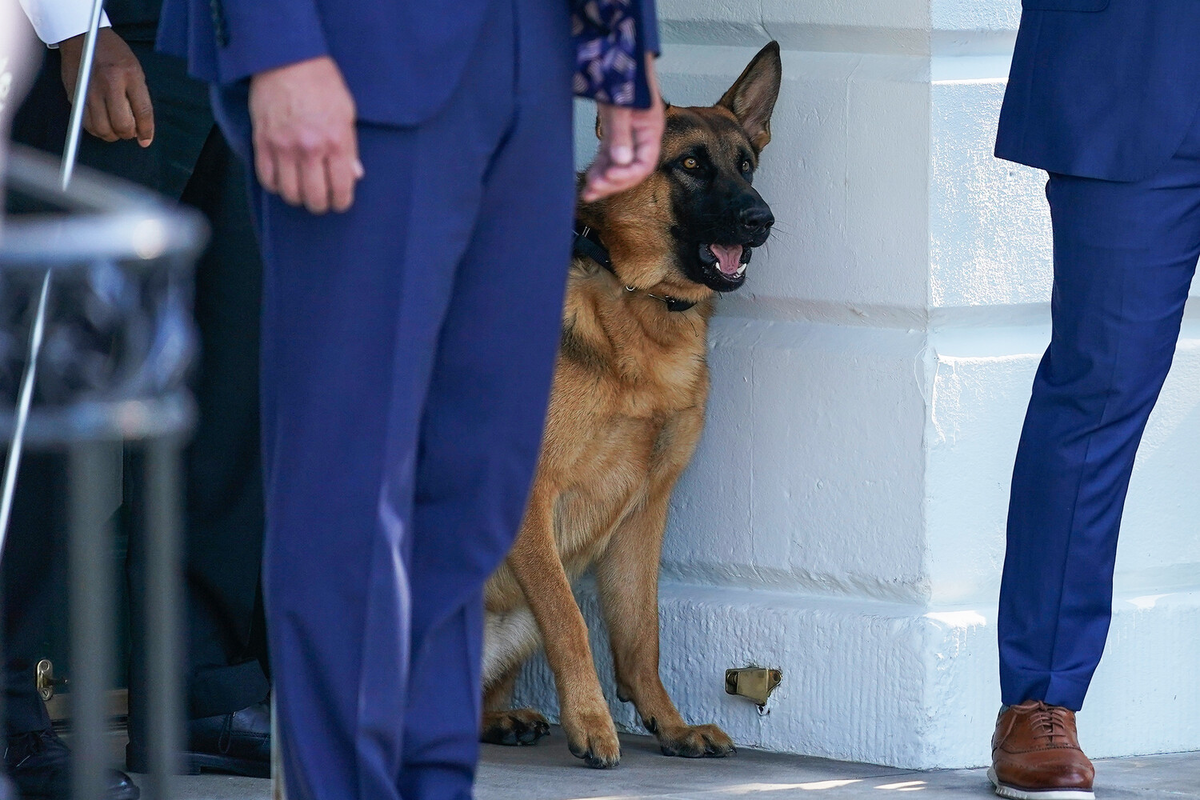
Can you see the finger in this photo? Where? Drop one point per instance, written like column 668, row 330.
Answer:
column 603, row 187
column 287, row 175
column 618, row 136
column 120, row 115
column 621, row 175
column 314, row 185
column 344, row 171
column 636, row 172
column 602, row 180
column 342, row 174
column 142, row 108
column 352, row 153
column 611, row 182
column 264, row 167
column 594, row 183
column 608, row 178
column 88, row 124
column 647, row 143
column 101, row 127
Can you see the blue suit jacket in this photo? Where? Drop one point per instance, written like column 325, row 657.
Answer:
column 401, row 58
column 1102, row 88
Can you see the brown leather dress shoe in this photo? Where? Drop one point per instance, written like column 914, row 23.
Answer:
column 1036, row 755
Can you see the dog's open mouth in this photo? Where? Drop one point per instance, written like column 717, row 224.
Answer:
column 728, row 261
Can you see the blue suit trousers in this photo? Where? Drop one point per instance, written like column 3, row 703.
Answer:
column 1124, row 256
column 408, row 351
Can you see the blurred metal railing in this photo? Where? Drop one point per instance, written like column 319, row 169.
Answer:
column 118, row 341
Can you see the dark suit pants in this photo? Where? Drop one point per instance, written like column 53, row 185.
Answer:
column 190, row 161
column 408, row 350
column 1124, row 256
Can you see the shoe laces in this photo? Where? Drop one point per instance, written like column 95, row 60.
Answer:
column 1049, row 722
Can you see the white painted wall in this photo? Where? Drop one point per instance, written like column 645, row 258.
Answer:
column 844, row 517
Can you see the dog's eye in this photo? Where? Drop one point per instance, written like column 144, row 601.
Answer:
column 746, row 165
column 691, row 163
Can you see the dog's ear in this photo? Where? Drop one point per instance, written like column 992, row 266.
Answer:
column 752, row 96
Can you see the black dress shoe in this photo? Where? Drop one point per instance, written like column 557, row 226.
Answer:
column 237, row 743
column 39, row 764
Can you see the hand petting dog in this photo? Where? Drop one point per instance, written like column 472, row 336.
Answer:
column 629, row 150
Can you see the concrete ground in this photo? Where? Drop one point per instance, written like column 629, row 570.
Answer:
column 548, row 772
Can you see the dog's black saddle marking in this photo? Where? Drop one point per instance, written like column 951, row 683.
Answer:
column 588, row 245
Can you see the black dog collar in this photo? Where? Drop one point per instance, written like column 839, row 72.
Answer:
column 588, row 245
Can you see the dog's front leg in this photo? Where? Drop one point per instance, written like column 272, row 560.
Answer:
column 627, row 577
column 585, row 718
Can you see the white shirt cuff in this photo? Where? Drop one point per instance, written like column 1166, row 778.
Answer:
column 58, row 20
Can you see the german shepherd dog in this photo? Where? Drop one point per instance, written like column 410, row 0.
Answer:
column 625, row 415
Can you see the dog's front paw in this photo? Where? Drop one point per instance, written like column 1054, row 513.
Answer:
column 696, row 741
column 593, row 737
column 518, row 726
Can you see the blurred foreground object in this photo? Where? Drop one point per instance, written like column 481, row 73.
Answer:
column 17, row 67
column 117, row 344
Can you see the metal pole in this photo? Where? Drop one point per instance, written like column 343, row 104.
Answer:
column 93, row 603
column 164, row 575
column 75, row 130
column 93, row 599
column 13, row 462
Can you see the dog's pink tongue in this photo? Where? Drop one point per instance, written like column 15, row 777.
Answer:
column 729, row 257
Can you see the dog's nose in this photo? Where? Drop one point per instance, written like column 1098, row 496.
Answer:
column 756, row 219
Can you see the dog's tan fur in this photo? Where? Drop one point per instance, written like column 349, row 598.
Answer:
column 626, row 412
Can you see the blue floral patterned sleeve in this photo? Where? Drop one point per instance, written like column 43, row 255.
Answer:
column 611, row 38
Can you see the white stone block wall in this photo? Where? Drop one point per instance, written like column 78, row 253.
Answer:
column 843, row 520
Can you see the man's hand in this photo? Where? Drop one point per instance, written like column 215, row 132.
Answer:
column 305, row 143
column 118, row 102
column 629, row 144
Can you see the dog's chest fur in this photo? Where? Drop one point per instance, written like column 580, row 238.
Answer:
column 636, row 378
column 625, row 414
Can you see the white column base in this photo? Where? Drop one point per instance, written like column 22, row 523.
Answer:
column 895, row 684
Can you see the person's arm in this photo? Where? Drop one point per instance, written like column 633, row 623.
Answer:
column 616, row 43
column 118, row 101
column 255, row 36
column 301, row 111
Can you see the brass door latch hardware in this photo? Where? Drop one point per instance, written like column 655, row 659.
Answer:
column 753, row 683
column 46, row 680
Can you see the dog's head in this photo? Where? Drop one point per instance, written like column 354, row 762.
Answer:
column 690, row 227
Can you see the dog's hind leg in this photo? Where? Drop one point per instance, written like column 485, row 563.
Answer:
column 504, row 725
column 627, row 579
column 509, row 639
